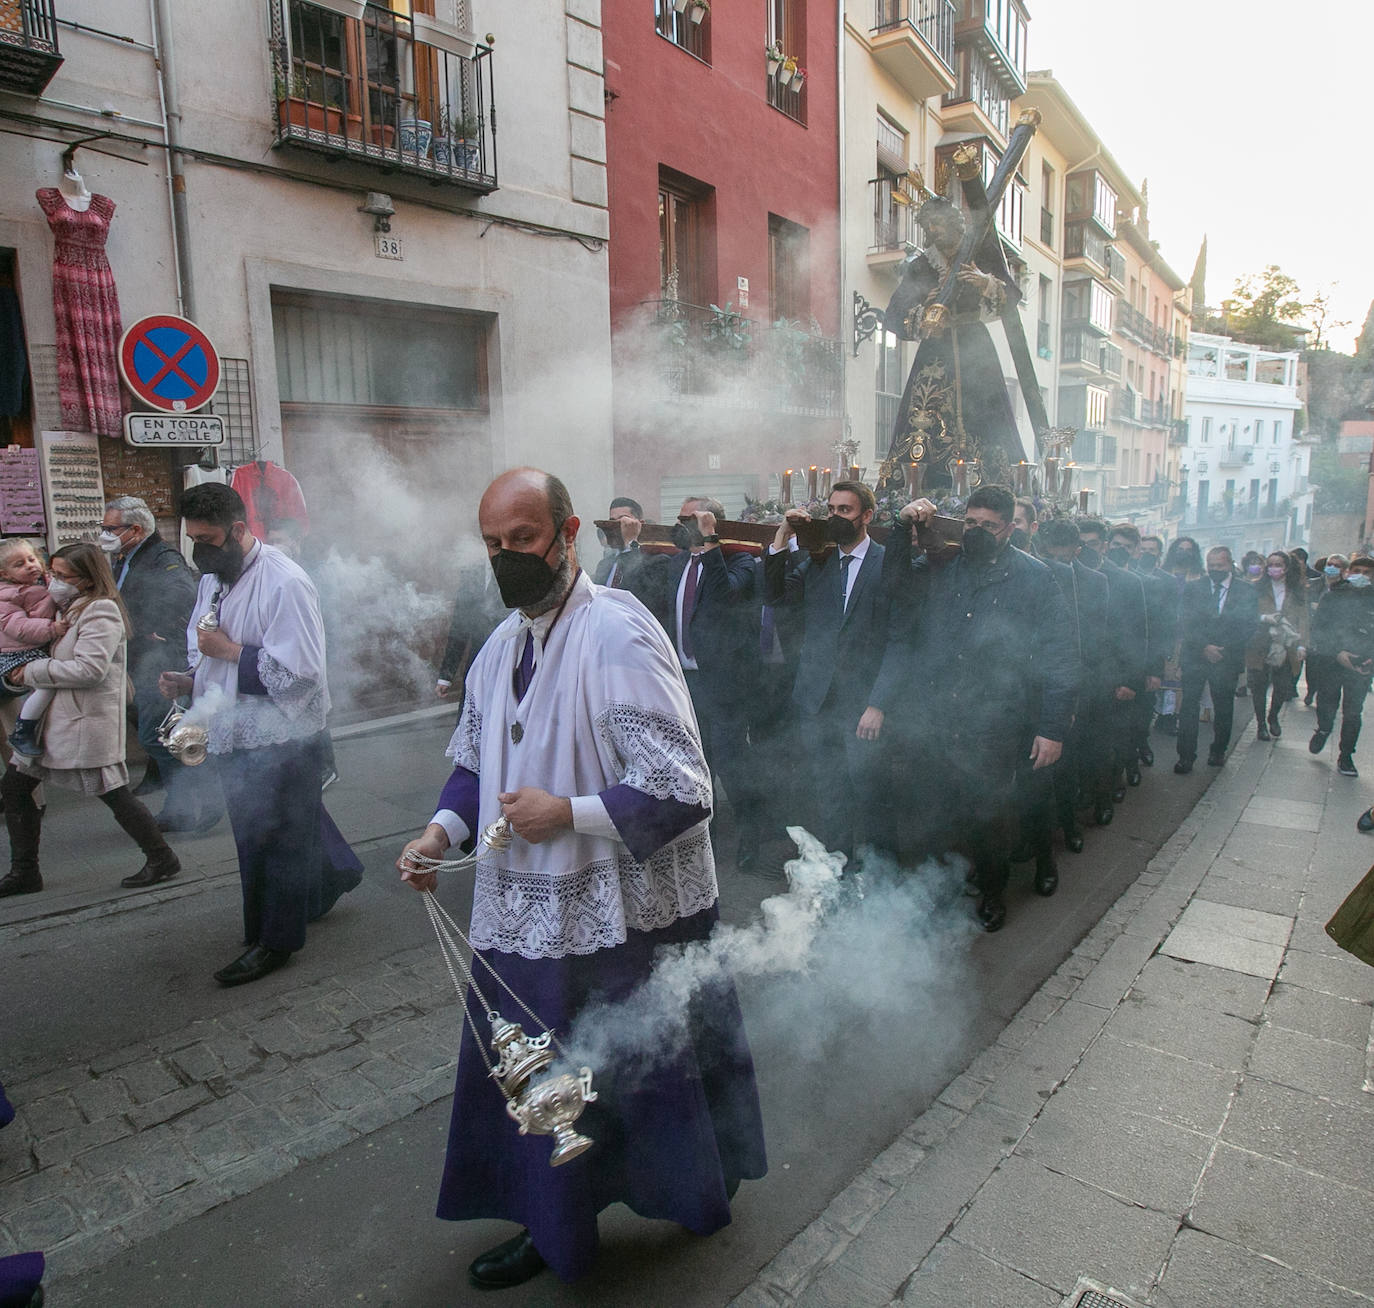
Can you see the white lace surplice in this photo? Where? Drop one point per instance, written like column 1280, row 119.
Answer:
column 607, row 705
column 273, row 606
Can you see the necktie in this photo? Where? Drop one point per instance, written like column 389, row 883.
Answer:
column 1221, row 595
column 525, row 672
column 768, row 631
column 689, row 604
column 845, row 561
column 613, row 578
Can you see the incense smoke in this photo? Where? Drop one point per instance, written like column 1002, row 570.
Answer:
column 875, row 950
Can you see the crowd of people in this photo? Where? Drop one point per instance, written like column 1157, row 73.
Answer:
column 982, row 696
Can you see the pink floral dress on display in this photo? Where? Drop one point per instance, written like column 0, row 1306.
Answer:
column 86, row 305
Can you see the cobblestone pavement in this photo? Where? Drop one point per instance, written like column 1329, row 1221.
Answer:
column 1180, row 1111
column 107, row 1153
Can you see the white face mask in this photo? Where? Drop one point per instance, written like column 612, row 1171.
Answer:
column 109, row 542
column 62, row 592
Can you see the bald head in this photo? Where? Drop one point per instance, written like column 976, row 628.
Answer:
column 525, row 509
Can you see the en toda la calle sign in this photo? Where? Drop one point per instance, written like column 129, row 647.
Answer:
column 172, row 367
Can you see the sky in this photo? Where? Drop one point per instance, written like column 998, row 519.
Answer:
column 1250, row 118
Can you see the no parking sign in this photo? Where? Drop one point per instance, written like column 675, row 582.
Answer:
column 169, row 363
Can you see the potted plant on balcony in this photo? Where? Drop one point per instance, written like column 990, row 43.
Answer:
column 697, row 10
column 416, row 135
column 456, row 141
column 798, row 78
column 789, row 70
column 773, row 56
column 301, row 102
column 680, row 6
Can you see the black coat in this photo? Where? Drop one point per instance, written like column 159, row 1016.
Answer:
column 1200, row 624
column 989, row 653
column 477, row 612
column 842, row 646
column 1345, row 621
column 1161, row 616
column 1090, row 598
column 159, row 591
column 724, row 624
column 1126, row 649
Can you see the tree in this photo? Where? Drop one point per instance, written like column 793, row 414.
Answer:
column 1265, row 309
column 1364, row 342
column 1339, row 489
column 1319, row 311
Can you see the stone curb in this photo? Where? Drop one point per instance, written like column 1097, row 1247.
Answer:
column 981, row 1115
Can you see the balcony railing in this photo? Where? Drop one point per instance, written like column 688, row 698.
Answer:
column 29, row 56
column 1178, row 431
column 1116, row 265
column 724, row 358
column 787, row 99
column 1134, row 323
column 894, row 216
column 933, row 20
column 1138, row 497
column 374, row 91
column 1236, row 456
column 1082, row 349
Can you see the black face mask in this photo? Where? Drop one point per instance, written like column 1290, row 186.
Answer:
column 685, row 537
column 1020, row 539
column 980, row 545
column 225, row 561
column 1090, row 558
column 1119, row 555
column 1146, row 562
column 1219, row 575
column 523, row 579
column 843, row 531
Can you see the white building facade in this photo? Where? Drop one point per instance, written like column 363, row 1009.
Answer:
column 1244, row 470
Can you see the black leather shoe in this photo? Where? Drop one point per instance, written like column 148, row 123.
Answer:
column 1133, row 776
column 1103, row 815
column 1274, row 729
column 252, row 965
column 1147, row 756
column 1215, row 758
column 1119, row 795
column 511, row 1263
column 21, row 883
column 1365, row 822
column 1046, row 878
column 992, row 913
column 1262, row 732
column 1183, row 766
column 148, row 875
column 1318, row 741
column 1073, row 842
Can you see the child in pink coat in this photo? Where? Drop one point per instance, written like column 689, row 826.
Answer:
column 29, row 623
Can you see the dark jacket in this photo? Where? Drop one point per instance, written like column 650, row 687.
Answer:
column 724, row 625
column 1345, row 621
column 1161, row 618
column 477, row 612
column 629, row 558
column 1200, row 624
column 842, row 646
column 1090, row 599
column 159, row 591
column 1126, row 651
column 989, row 653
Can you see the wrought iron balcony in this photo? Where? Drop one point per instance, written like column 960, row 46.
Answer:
column 721, row 357
column 1178, row 431
column 1137, row 497
column 387, row 90
column 29, row 56
column 914, row 41
column 894, row 216
column 1080, row 350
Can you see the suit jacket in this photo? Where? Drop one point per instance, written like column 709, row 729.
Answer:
column 1161, row 616
column 842, row 646
column 159, row 591
column 1200, row 624
column 724, row 622
column 1127, row 637
column 629, row 559
column 1090, row 598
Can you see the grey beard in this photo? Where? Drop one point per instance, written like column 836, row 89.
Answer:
column 558, row 592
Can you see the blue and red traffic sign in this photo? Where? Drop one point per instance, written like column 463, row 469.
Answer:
column 169, row 363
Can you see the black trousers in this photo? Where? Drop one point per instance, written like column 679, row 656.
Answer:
column 1274, row 685
column 847, row 795
column 724, row 727
column 1339, row 687
column 25, row 824
column 1221, row 678
column 977, row 808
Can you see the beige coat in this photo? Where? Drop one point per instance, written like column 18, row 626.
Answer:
column 85, row 725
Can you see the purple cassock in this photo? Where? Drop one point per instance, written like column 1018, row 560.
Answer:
column 674, row 1132
column 20, row 1274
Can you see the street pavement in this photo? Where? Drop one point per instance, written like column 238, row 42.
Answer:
column 1103, row 1107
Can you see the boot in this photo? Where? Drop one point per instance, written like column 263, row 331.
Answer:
column 21, row 881
column 159, row 867
column 24, row 738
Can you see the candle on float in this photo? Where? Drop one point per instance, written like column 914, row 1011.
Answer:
column 1083, row 500
column 1022, row 473
column 915, row 479
column 811, row 482
column 1051, row 476
column 827, row 478
column 786, row 480
column 854, row 471
column 961, row 478
column 1066, row 480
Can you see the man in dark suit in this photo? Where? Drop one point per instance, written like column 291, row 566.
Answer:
column 622, row 556
column 844, row 604
column 704, row 599
column 477, row 611
column 992, row 661
column 1161, row 625
column 1217, row 616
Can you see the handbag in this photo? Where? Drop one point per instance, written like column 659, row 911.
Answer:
column 1352, row 924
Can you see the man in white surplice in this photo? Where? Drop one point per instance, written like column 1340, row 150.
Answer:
column 578, row 727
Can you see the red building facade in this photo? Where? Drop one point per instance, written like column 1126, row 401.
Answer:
column 723, row 173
